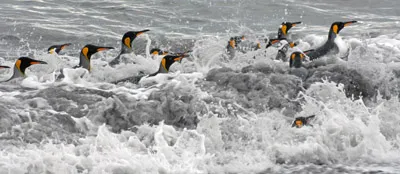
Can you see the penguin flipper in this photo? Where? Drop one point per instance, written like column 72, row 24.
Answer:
column 115, row 61
column 133, row 79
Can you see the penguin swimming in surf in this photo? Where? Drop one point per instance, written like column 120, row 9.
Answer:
column 20, row 66
column 284, row 29
column 85, row 58
column 329, row 46
column 284, row 42
column 86, row 54
column 303, row 121
column 296, row 65
column 165, row 64
column 57, row 48
column 126, row 45
column 230, row 48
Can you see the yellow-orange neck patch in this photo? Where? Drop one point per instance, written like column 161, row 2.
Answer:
column 52, row 51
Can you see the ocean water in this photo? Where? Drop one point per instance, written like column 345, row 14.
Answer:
column 209, row 114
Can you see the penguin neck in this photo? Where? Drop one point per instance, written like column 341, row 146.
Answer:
column 297, row 63
column 282, row 36
column 164, row 67
column 84, row 62
column 125, row 49
column 17, row 73
column 332, row 36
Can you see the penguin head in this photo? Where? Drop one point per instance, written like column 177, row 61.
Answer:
column 285, row 27
column 87, row 52
column 270, row 42
column 57, row 48
column 168, row 60
column 296, row 59
column 302, row 121
column 239, row 39
column 337, row 26
column 292, row 44
column 24, row 62
column 232, row 42
column 129, row 36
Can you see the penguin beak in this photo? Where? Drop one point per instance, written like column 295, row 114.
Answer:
column 37, row 62
column 179, row 59
column 141, row 32
column 295, row 23
column 65, row 45
column 1, row 67
column 349, row 23
column 104, row 48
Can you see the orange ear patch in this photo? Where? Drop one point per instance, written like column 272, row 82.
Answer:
column 302, row 56
column 293, row 56
column 232, row 43
column 284, row 29
column 292, row 44
column 335, row 29
column 163, row 63
column 85, row 52
column 18, row 64
column 299, row 123
column 127, row 42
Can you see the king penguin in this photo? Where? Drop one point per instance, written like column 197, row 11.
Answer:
column 296, row 65
column 284, row 29
column 303, row 121
column 230, row 48
column 165, row 64
column 283, row 37
column 329, row 46
column 20, row 66
column 126, row 45
column 86, row 54
column 57, row 48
